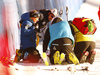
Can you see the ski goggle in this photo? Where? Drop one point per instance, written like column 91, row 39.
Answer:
column 35, row 15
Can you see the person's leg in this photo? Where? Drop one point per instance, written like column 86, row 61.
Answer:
column 66, row 48
column 54, row 52
column 80, row 51
column 63, row 45
column 92, row 53
column 91, row 46
column 33, row 55
column 57, row 54
column 70, row 56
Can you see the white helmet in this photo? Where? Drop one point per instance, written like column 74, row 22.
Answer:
column 54, row 11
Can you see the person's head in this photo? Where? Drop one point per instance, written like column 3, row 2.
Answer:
column 52, row 13
column 34, row 15
column 56, row 20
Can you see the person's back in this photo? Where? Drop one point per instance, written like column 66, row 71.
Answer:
column 84, row 46
column 60, row 40
column 60, row 30
column 82, row 37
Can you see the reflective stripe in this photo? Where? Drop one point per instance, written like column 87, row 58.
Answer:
column 66, row 44
column 55, row 44
column 58, row 44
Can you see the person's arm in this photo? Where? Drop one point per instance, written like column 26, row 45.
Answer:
column 73, row 32
column 46, row 40
column 27, row 28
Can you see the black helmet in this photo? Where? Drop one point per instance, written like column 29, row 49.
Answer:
column 56, row 19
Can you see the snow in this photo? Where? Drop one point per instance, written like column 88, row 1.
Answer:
column 88, row 9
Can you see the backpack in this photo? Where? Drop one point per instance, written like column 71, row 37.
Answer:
column 85, row 25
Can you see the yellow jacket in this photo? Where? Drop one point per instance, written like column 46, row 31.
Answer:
column 81, row 37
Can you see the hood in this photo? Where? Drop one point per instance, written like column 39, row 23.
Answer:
column 25, row 16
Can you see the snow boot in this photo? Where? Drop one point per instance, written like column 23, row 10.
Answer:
column 56, row 57
column 62, row 58
column 91, row 57
column 73, row 59
column 84, row 56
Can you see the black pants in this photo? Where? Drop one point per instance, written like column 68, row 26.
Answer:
column 63, row 45
column 34, row 54
column 80, row 47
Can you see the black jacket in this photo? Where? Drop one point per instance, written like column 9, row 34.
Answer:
column 43, row 20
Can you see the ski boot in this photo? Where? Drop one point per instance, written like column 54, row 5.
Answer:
column 73, row 59
column 56, row 57
column 18, row 56
column 84, row 56
column 45, row 59
column 91, row 57
column 62, row 58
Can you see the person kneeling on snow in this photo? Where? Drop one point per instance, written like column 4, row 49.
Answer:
column 59, row 38
column 46, row 16
column 28, row 36
column 84, row 45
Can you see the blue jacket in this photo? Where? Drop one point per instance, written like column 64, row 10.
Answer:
column 60, row 30
column 28, row 36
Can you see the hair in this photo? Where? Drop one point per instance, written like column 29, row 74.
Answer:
column 56, row 19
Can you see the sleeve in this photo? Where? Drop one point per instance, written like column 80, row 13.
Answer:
column 46, row 40
column 72, row 30
column 43, row 20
